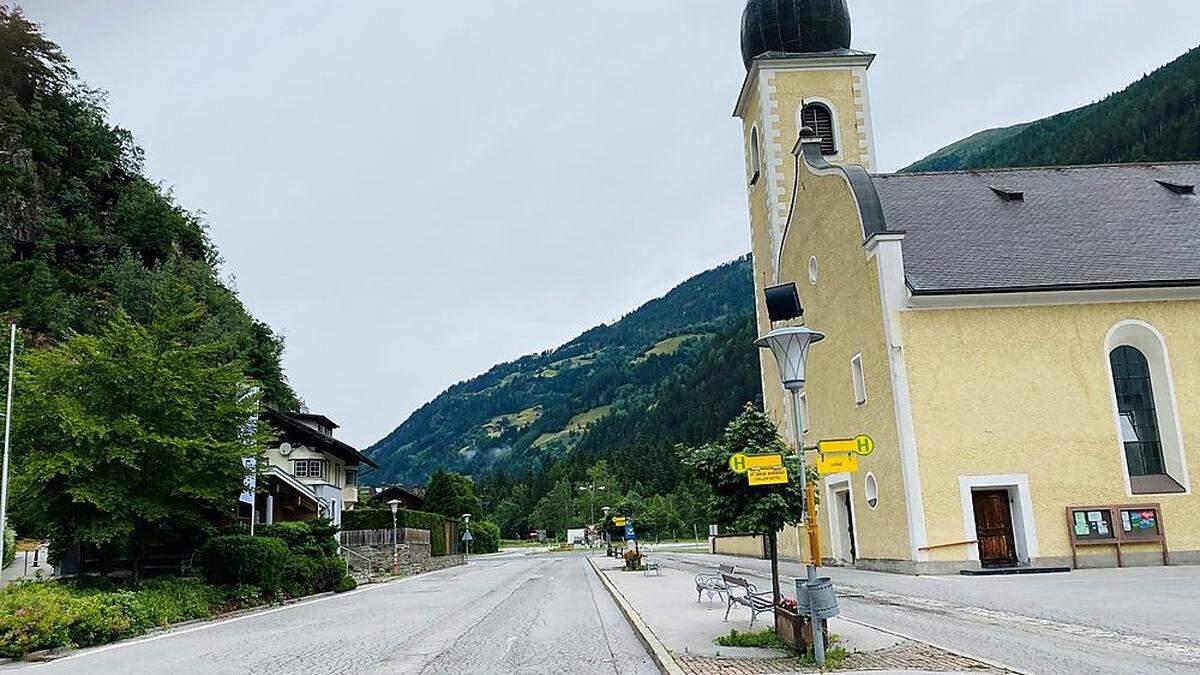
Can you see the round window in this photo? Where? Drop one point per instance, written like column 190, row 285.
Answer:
column 871, row 490
column 812, row 270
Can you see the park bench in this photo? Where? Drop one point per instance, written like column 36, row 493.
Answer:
column 652, row 565
column 712, row 583
column 742, row 592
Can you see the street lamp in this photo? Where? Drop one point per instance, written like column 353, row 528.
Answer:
column 592, row 501
column 466, row 517
column 790, row 346
column 394, row 505
column 607, row 544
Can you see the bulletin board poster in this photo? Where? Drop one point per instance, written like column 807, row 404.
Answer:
column 1140, row 523
column 1092, row 525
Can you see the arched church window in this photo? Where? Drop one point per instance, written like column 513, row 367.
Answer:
column 1138, row 413
column 755, row 152
column 818, row 117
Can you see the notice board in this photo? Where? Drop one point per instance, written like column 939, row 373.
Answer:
column 1114, row 525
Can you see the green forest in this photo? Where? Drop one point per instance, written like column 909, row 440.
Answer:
column 139, row 369
column 1155, row 119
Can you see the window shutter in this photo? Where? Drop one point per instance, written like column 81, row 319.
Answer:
column 818, row 118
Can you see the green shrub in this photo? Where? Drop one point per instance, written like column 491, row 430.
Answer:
column 304, row 575
column 314, row 538
column 346, row 584
column 10, row 547
column 244, row 596
column 487, row 537
column 236, row 559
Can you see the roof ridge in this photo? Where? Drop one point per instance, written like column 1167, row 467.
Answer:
column 1044, row 167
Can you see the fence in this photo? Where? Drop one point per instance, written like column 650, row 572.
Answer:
column 407, row 535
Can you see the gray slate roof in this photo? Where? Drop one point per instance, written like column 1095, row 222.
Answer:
column 1105, row 226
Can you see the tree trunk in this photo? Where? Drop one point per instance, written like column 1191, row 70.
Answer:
column 772, row 544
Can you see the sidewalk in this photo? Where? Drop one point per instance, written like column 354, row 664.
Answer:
column 687, row 629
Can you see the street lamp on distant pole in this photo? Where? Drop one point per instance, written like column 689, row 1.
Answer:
column 394, row 505
column 592, row 501
column 790, row 346
column 466, row 517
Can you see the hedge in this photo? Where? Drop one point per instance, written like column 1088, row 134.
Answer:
column 487, row 537
column 374, row 518
column 239, row 559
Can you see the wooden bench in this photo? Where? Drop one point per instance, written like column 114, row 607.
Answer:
column 712, row 583
column 742, row 592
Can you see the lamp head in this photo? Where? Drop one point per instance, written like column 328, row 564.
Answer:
column 790, row 347
column 394, row 504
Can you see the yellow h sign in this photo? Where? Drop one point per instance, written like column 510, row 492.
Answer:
column 859, row 445
column 741, row 462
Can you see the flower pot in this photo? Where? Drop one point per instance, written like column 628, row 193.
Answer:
column 795, row 630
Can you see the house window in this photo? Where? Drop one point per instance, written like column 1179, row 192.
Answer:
column 1148, row 432
column 309, row 468
column 755, row 159
column 860, row 383
column 817, row 117
column 351, row 477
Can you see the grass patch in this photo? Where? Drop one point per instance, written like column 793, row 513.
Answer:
column 518, row 420
column 576, row 424
column 766, row 638
column 669, row 346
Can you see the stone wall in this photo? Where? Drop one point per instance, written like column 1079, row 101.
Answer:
column 414, row 558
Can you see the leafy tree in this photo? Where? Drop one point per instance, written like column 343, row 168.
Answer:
column 451, row 494
column 555, row 510
column 762, row 509
column 135, row 435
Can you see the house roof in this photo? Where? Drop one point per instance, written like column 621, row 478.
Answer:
column 290, row 425
column 1063, row 228
column 315, row 417
column 401, row 492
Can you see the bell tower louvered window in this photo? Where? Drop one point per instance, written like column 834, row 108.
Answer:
column 817, row 117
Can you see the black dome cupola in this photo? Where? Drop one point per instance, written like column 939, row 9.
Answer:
column 794, row 26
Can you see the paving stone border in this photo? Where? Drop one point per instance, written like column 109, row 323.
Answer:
column 907, row 656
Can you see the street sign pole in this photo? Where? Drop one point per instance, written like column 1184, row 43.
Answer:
column 810, row 524
column 12, row 348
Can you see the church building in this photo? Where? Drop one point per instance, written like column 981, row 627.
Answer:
column 1023, row 345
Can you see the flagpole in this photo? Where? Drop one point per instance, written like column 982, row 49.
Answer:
column 12, row 349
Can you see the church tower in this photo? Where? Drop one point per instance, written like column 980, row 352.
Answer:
column 801, row 72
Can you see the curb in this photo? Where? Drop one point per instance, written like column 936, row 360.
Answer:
column 658, row 651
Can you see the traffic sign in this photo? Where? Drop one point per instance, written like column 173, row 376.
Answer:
column 741, row 462
column 841, row 463
column 619, row 522
column 772, row 475
column 861, row 445
column 629, row 533
column 467, row 536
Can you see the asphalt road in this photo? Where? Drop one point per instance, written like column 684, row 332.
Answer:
column 508, row 613
column 1137, row 620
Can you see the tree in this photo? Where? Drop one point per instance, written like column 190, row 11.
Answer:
column 554, row 511
column 762, row 509
column 136, row 435
column 451, row 494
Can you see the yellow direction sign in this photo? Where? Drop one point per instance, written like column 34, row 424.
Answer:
column 860, row 445
column 840, row 463
column 773, row 475
column 619, row 522
column 741, row 462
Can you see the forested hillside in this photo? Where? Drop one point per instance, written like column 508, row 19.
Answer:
column 1155, row 119
column 84, row 233
column 541, row 405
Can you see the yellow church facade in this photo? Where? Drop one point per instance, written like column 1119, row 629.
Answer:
column 1022, row 345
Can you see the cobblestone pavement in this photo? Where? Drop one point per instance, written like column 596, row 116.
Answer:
column 908, row 656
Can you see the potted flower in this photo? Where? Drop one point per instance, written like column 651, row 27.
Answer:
column 633, row 560
column 792, row 627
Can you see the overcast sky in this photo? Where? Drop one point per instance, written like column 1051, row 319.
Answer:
column 412, row 192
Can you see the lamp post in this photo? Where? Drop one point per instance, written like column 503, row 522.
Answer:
column 604, row 532
column 592, row 501
column 467, row 535
column 12, row 350
column 790, row 347
column 394, row 505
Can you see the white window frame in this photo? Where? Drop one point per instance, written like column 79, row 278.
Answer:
column 858, row 380
column 1150, row 342
column 321, row 472
column 834, row 118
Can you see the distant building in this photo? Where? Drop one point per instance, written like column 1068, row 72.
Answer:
column 310, row 473
column 1021, row 344
column 410, row 497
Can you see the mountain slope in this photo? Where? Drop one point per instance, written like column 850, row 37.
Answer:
column 542, row 404
column 1155, row 119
